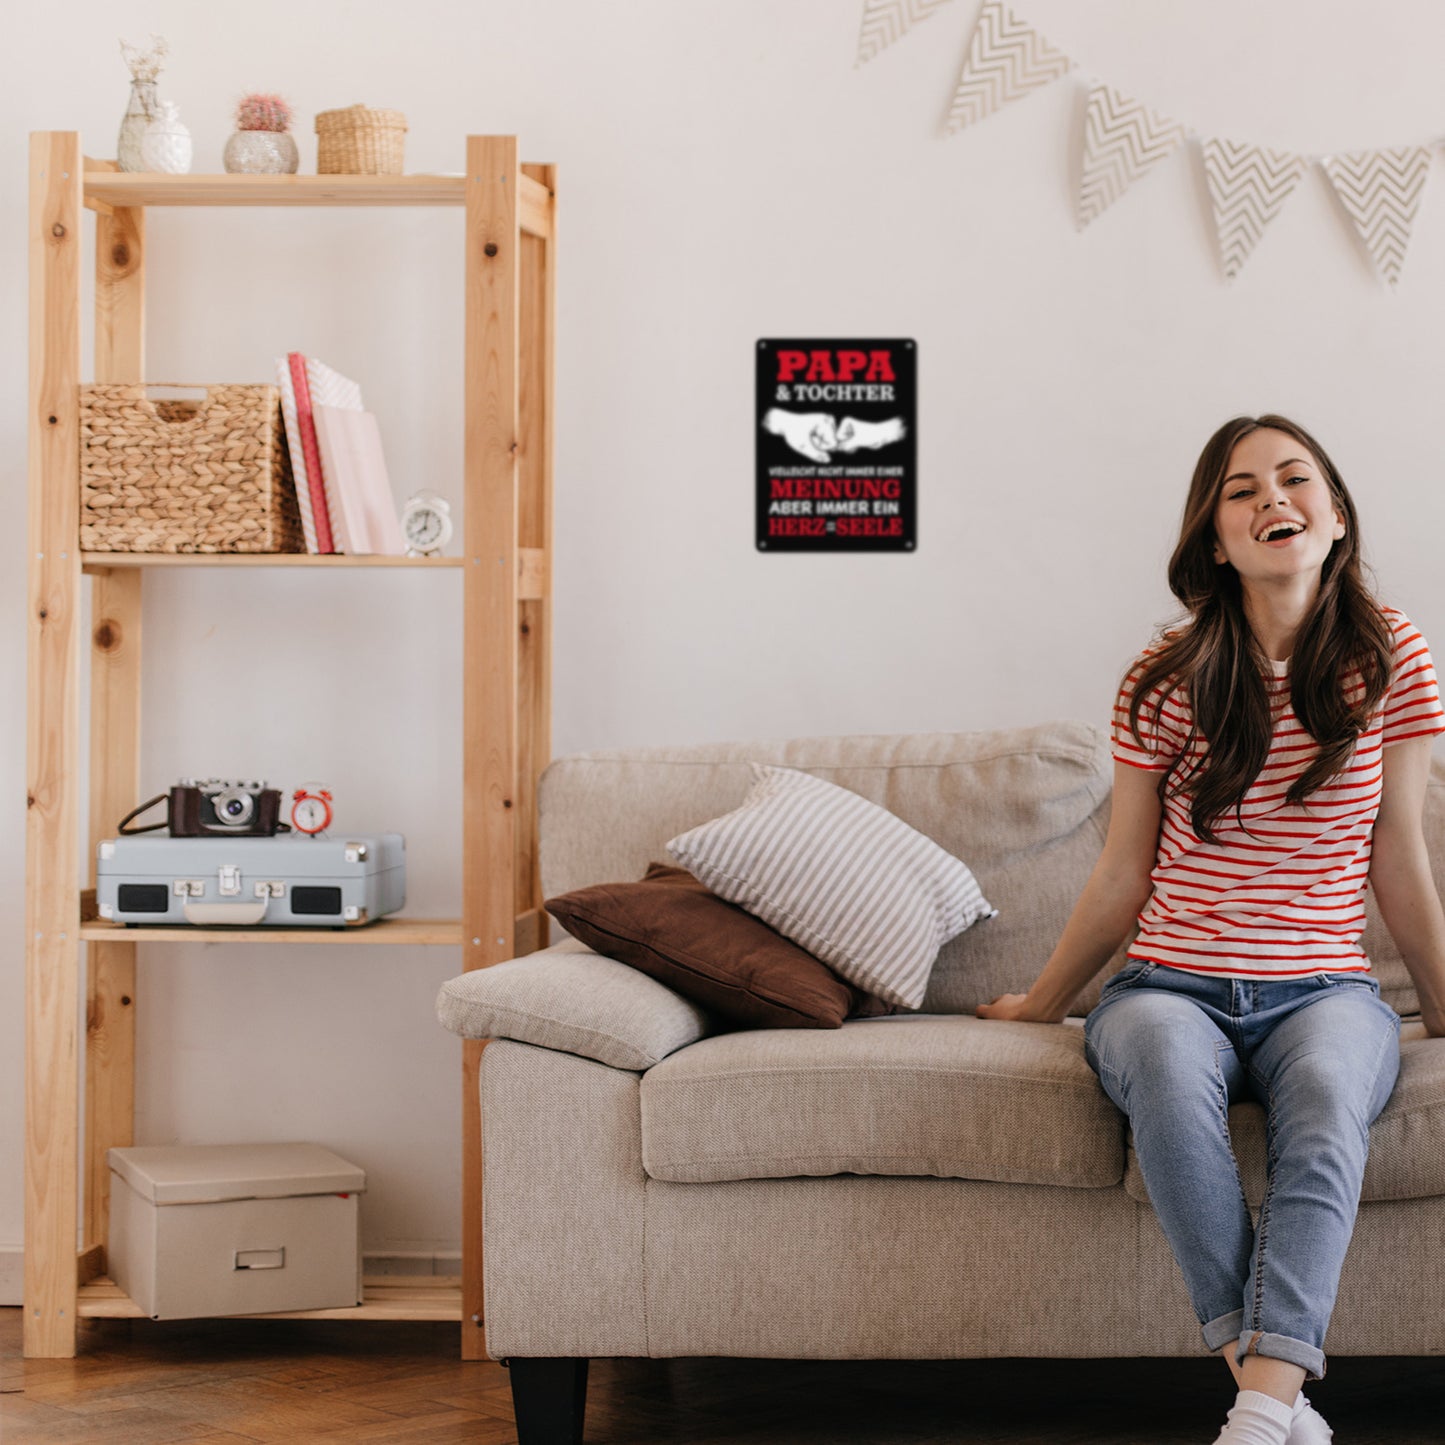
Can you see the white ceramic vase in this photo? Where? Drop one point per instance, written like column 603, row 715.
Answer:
column 261, row 152
column 142, row 110
column 166, row 146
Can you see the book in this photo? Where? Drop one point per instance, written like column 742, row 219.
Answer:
column 309, row 469
column 355, row 467
column 297, row 453
column 327, row 387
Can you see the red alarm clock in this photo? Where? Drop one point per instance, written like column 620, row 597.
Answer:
column 311, row 809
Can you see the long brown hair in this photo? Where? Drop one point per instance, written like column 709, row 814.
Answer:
column 1220, row 664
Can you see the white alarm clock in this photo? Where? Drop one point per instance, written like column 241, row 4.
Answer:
column 311, row 809
column 426, row 524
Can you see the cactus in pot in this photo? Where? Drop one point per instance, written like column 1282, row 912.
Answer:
column 262, row 143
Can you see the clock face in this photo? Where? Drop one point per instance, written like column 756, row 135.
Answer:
column 423, row 528
column 426, row 524
column 310, row 815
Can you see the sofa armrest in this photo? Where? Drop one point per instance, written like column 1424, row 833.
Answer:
column 573, row 1000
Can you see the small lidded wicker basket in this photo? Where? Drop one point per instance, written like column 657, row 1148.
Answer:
column 359, row 142
column 186, row 476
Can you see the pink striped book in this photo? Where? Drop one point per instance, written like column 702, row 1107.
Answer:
column 306, row 426
column 297, row 454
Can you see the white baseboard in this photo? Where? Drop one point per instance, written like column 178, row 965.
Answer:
column 12, row 1274
column 12, row 1268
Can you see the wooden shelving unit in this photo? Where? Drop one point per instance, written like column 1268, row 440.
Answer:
column 509, row 270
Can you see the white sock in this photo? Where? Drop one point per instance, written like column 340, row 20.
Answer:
column 1308, row 1426
column 1257, row 1419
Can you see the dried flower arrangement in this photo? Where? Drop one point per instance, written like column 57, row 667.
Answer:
column 143, row 107
column 261, row 111
column 144, row 64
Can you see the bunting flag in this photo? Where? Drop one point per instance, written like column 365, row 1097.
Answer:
column 1381, row 190
column 1122, row 140
column 1007, row 58
column 1248, row 186
column 885, row 21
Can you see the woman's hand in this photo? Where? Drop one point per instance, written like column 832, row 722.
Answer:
column 1012, row 1006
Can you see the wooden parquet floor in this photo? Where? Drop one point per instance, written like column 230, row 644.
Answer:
column 140, row 1383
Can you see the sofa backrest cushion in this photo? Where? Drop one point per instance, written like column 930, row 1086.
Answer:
column 1025, row 808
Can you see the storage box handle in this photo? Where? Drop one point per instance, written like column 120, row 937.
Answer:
column 260, row 1259
column 153, row 405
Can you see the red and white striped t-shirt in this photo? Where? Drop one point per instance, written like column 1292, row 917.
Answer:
column 1287, row 898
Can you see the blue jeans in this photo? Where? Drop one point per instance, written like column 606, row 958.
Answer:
column 1173, row 1050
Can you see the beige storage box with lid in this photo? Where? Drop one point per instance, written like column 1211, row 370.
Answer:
column 235, row 1229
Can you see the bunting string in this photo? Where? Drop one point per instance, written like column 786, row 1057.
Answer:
column 1124, row 139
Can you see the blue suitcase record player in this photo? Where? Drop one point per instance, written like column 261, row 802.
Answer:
column 286, row 882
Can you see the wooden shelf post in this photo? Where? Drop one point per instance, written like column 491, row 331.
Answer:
column 115, row 640
column 52, row 890
column 489, row 721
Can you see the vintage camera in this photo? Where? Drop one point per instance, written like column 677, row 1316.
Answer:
column 215, row 806
column 218, row 806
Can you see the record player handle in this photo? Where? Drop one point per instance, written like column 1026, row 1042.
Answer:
column 238, row 913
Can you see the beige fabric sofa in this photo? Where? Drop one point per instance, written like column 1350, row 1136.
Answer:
column 915, row 1186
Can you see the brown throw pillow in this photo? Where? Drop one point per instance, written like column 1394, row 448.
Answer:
column 670, row 927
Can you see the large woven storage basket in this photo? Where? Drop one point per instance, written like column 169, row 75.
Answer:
column 359, row 142
column 186, row 476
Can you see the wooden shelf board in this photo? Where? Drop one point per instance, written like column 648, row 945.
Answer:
column 108, row 188
column 386, row 1297
column 531, row 563
column 384, row 930
column 146, row 188
column 92, row 561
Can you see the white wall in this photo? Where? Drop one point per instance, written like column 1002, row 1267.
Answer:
column 727, row 174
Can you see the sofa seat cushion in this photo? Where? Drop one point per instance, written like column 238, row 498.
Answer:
column 1407, row 1141
column 952, row 1097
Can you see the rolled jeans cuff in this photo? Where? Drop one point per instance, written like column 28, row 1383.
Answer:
column 1282, row 1347
column 1223, row 1331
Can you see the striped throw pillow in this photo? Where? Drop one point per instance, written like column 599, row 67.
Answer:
column 840, row 876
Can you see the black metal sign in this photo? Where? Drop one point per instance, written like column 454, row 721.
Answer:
column 837, row 446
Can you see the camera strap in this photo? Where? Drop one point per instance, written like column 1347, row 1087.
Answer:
column 144, row 807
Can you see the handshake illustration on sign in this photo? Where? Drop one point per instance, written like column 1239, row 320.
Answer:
column 816, row 435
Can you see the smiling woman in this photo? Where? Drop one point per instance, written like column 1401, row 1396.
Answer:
column 1271, row 758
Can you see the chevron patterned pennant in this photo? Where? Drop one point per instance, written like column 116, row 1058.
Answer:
column 1007, row 58
column 1381, row 190
column 1122, row 140
column 885, row 21
column 1248, row 186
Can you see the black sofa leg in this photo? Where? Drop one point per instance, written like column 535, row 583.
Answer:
column 549, row 1397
